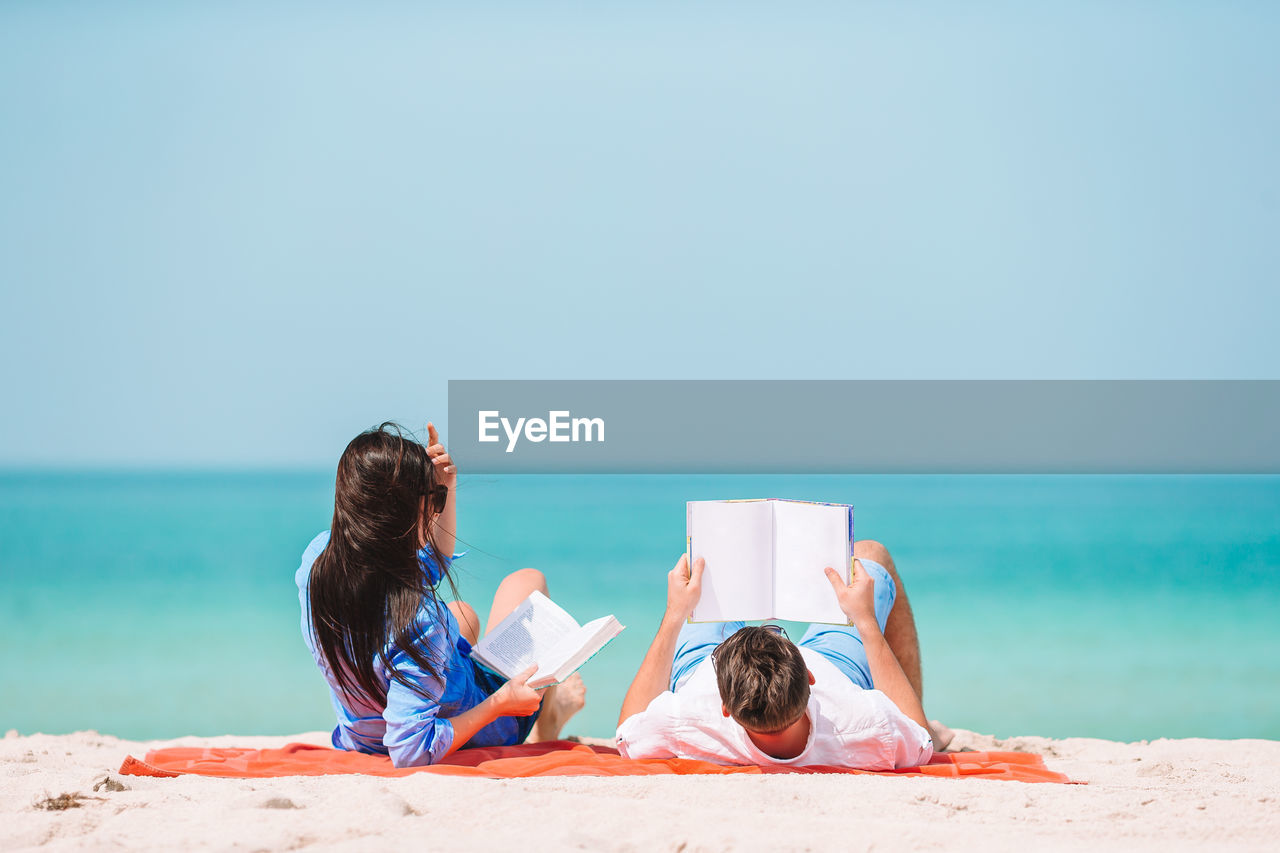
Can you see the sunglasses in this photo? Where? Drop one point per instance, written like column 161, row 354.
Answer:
column 772, row 628
column 438, row 497
column 776, row 630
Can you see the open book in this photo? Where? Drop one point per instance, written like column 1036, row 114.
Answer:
column 765, row 559
column 540, row 631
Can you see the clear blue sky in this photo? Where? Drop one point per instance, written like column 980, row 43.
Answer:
column 235, row 234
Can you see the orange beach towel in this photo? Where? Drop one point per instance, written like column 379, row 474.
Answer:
column 555, row 758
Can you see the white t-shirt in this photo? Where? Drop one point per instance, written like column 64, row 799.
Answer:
column 851, row 727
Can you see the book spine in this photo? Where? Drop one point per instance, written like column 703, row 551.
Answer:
column 851, row 557
column 773, row 560
column 688, row 555
column 688, row 542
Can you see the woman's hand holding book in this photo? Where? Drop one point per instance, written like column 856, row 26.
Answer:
column 515, row 698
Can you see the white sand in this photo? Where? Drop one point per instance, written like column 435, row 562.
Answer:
column 1166, row 795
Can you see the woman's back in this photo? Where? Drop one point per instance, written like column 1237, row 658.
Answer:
column 400, row 674
column 418, row 725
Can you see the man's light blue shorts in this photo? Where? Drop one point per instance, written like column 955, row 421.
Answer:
column 840, row 644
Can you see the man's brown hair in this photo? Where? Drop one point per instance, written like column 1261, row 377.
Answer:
column 763, row 680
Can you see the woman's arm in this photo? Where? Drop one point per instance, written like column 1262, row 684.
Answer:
column 444, row 525
column 513, row 699
column 416, row 736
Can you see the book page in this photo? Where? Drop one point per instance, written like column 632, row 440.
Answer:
column 808, row 538
column 527, row 633
column 565, row 648
column 575, row 649
column 736, row 540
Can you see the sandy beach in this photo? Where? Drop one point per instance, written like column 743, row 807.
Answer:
column 1166, row 795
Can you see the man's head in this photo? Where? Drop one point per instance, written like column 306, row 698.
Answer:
column 763, row 680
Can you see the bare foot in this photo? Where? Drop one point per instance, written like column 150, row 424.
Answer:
column 559, row 703
column 942, row 736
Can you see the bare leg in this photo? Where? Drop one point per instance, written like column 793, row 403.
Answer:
column 900, row 629
column 514, row 589
column 468, row 621
column 900, row 632
column 560, row 702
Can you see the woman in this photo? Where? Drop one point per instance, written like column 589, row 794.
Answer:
column 396, row 657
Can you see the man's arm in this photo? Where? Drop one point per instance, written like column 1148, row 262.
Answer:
column 857, row 600
column 683, row 589
column 887, row 675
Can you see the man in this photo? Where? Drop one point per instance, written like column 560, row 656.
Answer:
column 844, row 696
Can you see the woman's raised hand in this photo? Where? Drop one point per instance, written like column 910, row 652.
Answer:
column 517, row 699
column 446, row 471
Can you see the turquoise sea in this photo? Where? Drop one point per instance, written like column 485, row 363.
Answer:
column 151, row 605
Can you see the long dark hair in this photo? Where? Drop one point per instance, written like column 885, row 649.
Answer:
column 367, row 585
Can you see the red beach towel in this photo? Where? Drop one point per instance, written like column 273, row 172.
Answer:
column 554, row 758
